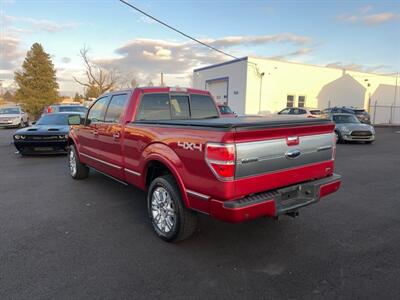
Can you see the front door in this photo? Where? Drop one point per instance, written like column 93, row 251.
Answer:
column 110, row 137
column 89, row 133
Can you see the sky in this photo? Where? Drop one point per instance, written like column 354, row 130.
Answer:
column 358, row 35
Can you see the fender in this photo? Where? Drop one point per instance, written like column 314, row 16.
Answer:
column 72, row 136
column 165, row 155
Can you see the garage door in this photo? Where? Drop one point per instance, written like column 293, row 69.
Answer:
column 219, row 89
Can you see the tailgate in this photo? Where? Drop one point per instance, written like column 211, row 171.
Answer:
column 271, row 150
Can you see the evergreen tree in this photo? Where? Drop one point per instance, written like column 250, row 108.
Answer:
column 37, row 84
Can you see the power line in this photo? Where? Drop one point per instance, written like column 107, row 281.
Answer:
column 177, row 30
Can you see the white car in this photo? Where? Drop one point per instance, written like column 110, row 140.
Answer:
column 13, row 116
column 301, row 111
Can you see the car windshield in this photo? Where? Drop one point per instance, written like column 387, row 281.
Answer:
column 345, row 119
column 361, row 112
column 73, row 109
column 53, row 119
column 225, row 110
column 9, row 110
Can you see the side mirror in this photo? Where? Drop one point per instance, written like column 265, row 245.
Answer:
column 74, row 120
column 33, row 123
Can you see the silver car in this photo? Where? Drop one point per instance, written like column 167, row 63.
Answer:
column 349, row 128
column 13, row 116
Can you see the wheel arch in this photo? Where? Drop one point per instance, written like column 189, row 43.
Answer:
column 157, row 164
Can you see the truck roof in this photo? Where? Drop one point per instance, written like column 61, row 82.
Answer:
column 161, row 89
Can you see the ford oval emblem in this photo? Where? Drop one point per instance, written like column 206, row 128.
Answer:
column 291, row 154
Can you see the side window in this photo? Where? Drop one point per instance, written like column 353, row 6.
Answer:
column 302, row 111
column 180, row 107
column 97, row 111
column 295, row 111
column 301, row 101
column 202, row 106
column 289, row 101
column 154, row 107
column 115, row 108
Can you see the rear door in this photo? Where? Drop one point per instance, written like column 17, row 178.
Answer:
column 110, row 136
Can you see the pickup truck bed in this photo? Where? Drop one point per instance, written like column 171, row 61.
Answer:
column 234, row 169
column 243, row 122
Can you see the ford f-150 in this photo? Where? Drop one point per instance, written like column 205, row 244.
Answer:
column 172, row 143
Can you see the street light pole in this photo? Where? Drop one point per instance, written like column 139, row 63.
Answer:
column 260, row 97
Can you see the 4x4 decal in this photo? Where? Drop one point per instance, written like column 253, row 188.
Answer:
column 190, row 146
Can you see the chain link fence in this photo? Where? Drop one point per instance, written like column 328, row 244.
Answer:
column 384, row 114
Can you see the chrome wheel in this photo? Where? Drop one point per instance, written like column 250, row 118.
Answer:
column 163, row 210
column 72, row 162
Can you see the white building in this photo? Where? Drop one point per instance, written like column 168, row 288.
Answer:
column 252, row 85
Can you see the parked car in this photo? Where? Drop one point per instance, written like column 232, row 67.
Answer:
column 13, row 116
column 349, row 128
column 64, row 108
column 48, row 135
column 361, row 114
column 301, row 111
column 226, row 111
column 233, row 169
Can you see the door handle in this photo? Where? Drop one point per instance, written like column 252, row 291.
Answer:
column 116, row 135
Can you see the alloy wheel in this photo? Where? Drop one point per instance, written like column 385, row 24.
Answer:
column 72, row 163
column 163, row 210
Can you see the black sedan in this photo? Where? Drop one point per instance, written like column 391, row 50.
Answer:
column 49, row 135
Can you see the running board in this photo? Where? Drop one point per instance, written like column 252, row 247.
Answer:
column 109, row 176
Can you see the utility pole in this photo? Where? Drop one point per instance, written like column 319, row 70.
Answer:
column 162, row 79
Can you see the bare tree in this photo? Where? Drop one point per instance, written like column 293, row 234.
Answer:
column 98, row 79
column 127, row 81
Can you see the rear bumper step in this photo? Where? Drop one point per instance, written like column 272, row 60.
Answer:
column 276, row 202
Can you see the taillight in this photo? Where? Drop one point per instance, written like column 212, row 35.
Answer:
column 221, row 160
column 49, row 110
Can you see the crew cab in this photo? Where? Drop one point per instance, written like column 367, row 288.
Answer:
column 172, row 143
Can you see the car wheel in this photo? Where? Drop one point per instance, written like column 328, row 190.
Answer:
column 170, row 219
column 21, row 124
column 27, row 123
column 369, row 142
column 77, row 170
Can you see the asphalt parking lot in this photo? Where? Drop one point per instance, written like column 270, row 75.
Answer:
column 66, row 239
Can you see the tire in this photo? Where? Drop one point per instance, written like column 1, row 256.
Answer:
column 27, row 123
column 369, row 142
column 77, row 170
column 21, row 124
column 339, row 139
column 170, row 219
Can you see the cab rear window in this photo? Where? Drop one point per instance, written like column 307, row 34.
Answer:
column 163, row 106
column 202, row 107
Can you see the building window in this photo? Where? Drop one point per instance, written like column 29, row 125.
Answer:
column 301, row 101
column 289, row 101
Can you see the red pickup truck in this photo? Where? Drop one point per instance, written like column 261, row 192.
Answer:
column 173, row 143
